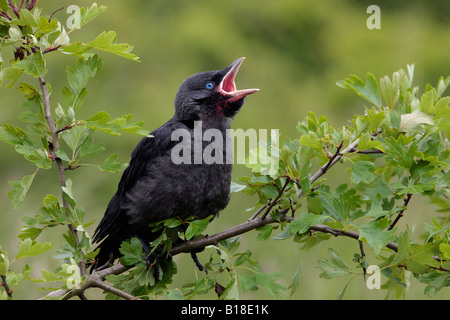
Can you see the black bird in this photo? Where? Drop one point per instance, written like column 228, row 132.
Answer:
column 154, row 187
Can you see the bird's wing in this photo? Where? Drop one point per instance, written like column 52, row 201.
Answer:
column 147, row 150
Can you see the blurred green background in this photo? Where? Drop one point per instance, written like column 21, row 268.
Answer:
column 296, row 50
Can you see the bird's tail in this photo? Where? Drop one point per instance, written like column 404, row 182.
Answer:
column 110, row 233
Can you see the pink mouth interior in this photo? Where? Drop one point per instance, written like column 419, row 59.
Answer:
column 228, row 84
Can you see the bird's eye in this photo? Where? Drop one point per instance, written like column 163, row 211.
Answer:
column 209, row 85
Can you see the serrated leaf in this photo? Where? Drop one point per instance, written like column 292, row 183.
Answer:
column 413, row 122
column 362, row 172
column 368, row 91
column 26, row 19
column 305, row 221
column 376, row 208
column 33, row 65
column 196, row 227
column 46, row 26
column 132, row 252
column 264, row 232
column 89, row 14
column 366, row 142
column 445, row 249
column 4, row 5
column 20, row 189
column 236, row 187
column 398, row 153
column 311, row 140
column 334, row 267
column 11, row 75
column 390, row 90
column 107, row 41
column 30, row 248
column 268, row 282
column 101, row 122
column 112, row 165
column 270, row 191
column 78, row 78
column 375, row 235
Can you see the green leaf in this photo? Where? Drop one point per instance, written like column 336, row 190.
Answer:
column 46, row 26
column 374, row 234
column 373, row 118
column 268, row 282
column 390, row 90
column 305, row 221
column 236, row 187
column 436, row 281
column 413, row 122
column 79, row 77
column 112, row 165
column 174, row 294
column 311, row 140
column 33, row 65
column 132, row 252
column 196, row 227
column 11, row 75
column 75, row 137
column 4, row 5
column 421, row 257
column 26, row 19
column 376, row 208
column 264, row 232
column 445, row 249
column 427, row 102
column 20, row 189
column 398, row 153
column 107, row 41
column 270, row 191
column 334, row 267
column 366, row 142
column 362, row 172
column 100, row 121
column 369, row 91
column 30, row 248
column 89, row 14
column 4, row 263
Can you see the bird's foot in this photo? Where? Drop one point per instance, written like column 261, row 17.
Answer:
column 152, row 258
column 197, row 262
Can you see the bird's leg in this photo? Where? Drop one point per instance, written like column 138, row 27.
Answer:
column 106, row 265
column 146, row 247
column 152, row 257
column 197, row 262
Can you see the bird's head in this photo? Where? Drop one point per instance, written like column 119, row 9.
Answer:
column 211, row 94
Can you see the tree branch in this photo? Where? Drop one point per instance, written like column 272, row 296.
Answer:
column 333, row 160
column 53, row 146
column 96, row 279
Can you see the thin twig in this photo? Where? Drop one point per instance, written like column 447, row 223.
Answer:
column 5, row 15
column 363, row 254
column 333, row 160
column 400, row 214
column 275, row 201
column 14, row 8
column 4, row 284
column 376, row 151
column 59, row 164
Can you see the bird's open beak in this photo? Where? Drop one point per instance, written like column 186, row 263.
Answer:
column 227, row 86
